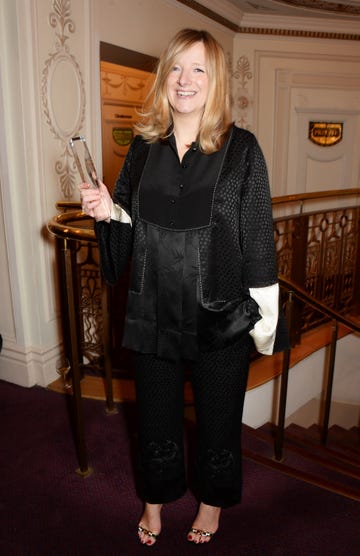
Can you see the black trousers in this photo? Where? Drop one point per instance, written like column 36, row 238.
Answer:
column 219, row 382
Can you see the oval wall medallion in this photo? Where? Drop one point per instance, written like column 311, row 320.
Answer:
column 64, row 107
column 63, row 95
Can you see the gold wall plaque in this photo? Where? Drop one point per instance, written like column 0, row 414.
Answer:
column 122, row 136
column 325, row 134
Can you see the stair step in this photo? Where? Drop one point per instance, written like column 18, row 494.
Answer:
column 349, row 438
column 343, row 442
column 340, row 455
column 339, row 439
column 311, row 478
column 307, row 454
column 305, row 458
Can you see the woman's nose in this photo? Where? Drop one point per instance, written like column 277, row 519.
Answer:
column 184, row 78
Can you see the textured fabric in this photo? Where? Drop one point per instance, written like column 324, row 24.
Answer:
column 160, row 407
column 219, row 383
column 115, row 245
column 235, row 251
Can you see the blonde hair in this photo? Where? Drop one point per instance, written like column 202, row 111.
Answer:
column 157, row 120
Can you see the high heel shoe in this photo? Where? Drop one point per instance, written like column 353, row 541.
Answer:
column 199, row 533
column 153, row 536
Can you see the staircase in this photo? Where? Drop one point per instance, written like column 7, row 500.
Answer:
column 334, row 467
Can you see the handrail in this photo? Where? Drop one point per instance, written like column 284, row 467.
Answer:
column 315, row 195
column 304, row 296
column 63, row 225
column 73, row 225
column 296, row 291
column 281, row 199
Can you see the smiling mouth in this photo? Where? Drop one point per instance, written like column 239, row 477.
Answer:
column 185, row 93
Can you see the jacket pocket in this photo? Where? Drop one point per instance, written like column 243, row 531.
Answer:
column 221, row 323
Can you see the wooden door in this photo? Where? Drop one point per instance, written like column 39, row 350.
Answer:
column 123, row 91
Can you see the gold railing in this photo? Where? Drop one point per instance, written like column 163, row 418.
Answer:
column 293, row 293
column 302, row 198
column 318, row 255
column 319, row 250
column 84, row 313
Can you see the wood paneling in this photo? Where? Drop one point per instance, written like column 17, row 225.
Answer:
column 123, row 92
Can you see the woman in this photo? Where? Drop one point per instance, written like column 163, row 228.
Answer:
column 192, row 207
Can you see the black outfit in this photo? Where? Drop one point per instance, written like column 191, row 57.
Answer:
column 201, row 236
column 219, row 383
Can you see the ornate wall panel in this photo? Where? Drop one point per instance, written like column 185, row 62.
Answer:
column 292, row 88
column 63, row 94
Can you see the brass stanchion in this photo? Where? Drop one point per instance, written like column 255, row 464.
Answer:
column 110, row 408
column 71, row 317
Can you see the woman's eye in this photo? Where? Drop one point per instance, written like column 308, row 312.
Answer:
column 199, row 70
column 176, row 68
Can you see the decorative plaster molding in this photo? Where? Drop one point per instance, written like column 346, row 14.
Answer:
column 124, row 87
column 337, row 7
column 308, row 34
column 59, row 64
column 285, row 82
column 242, row 74
column 225, row 8
column 288, row 26
column 123, row 83
column 211, row 14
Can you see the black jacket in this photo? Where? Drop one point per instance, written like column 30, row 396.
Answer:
column 220, row 261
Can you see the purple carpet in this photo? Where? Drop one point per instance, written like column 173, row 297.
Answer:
column 49, row 510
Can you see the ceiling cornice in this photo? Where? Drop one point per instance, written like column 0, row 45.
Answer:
column 211, row 14
column 238, row 22
column 333, row 35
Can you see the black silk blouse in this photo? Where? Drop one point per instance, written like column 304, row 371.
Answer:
column 178, row 195
column 175, row 199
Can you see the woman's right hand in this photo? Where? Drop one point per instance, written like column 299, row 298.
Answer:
column 96, row 202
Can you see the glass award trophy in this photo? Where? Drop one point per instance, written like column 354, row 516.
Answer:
column 83, row 160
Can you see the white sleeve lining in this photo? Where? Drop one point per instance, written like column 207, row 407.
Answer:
column 119, row 214
column 264, row 330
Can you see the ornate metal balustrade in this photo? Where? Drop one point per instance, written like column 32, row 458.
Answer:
column 75, row 230
column 318, row 250
column 292, row 293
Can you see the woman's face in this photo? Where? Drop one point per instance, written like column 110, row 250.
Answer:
column 187, row 84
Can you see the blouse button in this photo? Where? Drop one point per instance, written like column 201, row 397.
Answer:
column 172, row 201
column 172, row 223
column 181, row 186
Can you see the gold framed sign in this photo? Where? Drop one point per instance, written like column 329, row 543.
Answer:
column 326, row 134
column 122, row 136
